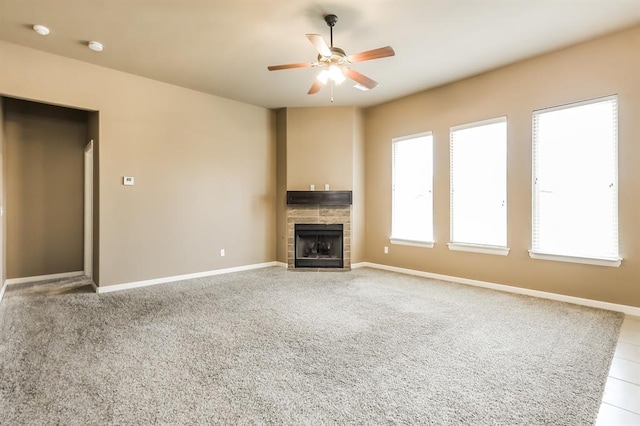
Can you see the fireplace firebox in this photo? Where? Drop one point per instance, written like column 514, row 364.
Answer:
column 318, row 246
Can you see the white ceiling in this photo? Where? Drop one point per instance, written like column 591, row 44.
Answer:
column 223, row 47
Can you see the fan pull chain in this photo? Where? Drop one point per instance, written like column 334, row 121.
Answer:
column 331, row 85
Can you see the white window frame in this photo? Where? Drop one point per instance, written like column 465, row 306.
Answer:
column 465, row 245
column 393, row 239
column 536, row 253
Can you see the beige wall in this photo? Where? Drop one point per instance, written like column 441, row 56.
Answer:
column 325, row 145
column 202, row 162
column 281, row 184
column 358, row 235
column 45, row 181
column 320, row 148
column 601, row 67
column 204, row 167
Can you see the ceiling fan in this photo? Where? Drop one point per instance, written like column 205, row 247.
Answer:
column 335, row 62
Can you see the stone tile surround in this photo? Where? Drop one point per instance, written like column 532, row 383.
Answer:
column 317, row 214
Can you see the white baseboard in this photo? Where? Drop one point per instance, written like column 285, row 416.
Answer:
column 164, row 280
column 23, row 280
column 626, row 309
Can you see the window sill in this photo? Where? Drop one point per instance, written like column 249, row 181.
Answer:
column 425, row 244
column 600, row 261
column 479, row 248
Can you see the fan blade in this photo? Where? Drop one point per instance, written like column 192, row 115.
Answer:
column 289, row 66
column 360, row 78
column 315, row 87
column 381, row 52
column 320, row 45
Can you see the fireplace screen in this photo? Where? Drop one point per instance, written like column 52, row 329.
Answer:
column 318, row 246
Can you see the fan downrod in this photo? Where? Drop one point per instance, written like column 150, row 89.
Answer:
column 331, row 20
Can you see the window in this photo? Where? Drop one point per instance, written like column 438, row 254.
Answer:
column 412, row 190
column 575, row 183
column 479, row 187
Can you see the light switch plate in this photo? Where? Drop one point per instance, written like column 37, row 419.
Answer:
column 127, row 180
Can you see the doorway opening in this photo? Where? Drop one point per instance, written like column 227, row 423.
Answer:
column 50, row 164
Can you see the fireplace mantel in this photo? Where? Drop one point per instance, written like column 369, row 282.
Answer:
column 321, row 198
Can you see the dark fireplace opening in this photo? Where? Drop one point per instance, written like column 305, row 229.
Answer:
column 318, row 246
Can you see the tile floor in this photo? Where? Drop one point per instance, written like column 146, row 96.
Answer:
column 621, row 400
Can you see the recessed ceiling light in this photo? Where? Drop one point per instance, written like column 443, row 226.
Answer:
column 41, row 29
column 95, row 46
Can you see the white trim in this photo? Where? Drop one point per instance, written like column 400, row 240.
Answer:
column 2, row 290
column 600, row 261
column 23, row 280
column 359, row 265
column 280, row 264
column 479, row 248
column 88, row 209
column 95, row 287
column 146, row 283
column 401, row 242
column 626, row 309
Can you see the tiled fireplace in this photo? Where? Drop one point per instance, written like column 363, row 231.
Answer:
column 332, row 211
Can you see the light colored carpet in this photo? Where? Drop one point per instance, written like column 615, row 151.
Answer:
column 271, row 346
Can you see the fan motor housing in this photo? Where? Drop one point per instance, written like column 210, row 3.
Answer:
column 338, row 56
column 331, row 19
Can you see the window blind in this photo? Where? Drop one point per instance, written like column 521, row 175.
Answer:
column 478, row 172
column 575, row 182
column 412, row 188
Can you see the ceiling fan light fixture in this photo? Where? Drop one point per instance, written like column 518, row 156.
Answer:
column 336, row 63
column 323, row 77
column 335, row 74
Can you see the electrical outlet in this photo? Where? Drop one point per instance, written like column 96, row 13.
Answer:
column 221, row 252
column 386, row 250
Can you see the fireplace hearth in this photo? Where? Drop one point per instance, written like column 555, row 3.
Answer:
column 318, row 246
